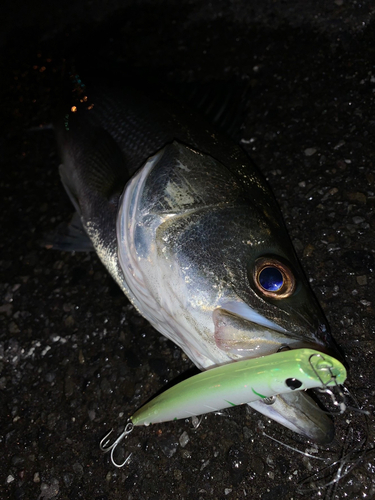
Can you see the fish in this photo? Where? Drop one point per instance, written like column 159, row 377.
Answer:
column 189, row 229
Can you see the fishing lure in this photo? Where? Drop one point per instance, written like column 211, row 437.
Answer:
column 235, row 384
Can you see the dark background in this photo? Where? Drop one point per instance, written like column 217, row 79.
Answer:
column 75, row 358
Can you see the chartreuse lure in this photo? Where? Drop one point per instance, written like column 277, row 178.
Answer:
column 242, row 382
column 238, row 383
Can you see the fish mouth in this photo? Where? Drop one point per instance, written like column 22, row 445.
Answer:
column 243, row 333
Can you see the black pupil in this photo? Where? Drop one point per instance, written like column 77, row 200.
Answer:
column 293, row 383
column 271, row 279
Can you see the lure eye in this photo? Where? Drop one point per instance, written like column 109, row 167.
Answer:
column 273, row 278
column 293, row 383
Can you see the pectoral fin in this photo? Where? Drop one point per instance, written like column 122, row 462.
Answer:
column 69, row 237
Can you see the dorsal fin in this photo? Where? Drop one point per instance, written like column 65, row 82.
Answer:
column 223, row 103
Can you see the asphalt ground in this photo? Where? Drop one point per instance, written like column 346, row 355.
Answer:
column 76, row 359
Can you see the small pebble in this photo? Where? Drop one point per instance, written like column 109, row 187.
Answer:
column 358, row 220
column 308, row 250
column 362, row 280
column 365, row 303
column 310, row 151
column 6, row 309
column 13, row 328
column 177, row 474
column 48, row 491
column 168, row 446
column 204, row 465
column 69, row 321
column 78, row 469
column 339, row 144
column 184, row 439
column 358, row 197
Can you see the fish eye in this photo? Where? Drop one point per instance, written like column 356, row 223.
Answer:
column 293, row 383
column 273, row 278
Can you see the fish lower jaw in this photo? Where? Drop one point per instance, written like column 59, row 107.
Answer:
column 242, row 332
column 298, row 412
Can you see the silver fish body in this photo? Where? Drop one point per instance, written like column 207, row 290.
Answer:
column 186, row 225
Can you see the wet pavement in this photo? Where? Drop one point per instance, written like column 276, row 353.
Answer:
column 76, row 359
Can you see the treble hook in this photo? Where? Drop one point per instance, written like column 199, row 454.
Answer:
column 341, row 404
column 105, row 449
column 196, row 422
column 334, row 398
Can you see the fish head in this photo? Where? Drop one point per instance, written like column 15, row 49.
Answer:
column 209, row 261
column 241, row 275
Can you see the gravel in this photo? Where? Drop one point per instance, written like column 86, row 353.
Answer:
column 75, row 358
